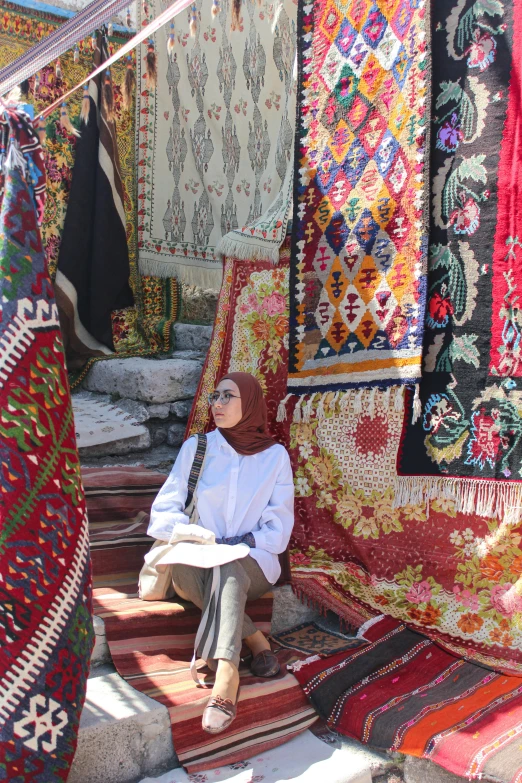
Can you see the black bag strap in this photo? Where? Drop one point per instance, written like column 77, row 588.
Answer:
column 195, row 470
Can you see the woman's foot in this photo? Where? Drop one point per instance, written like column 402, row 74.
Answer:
column 264, row 662
column 222, row 706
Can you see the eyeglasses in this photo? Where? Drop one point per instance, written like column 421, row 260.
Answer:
column 223, row 397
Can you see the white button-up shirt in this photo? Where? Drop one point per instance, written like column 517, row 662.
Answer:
column 236, row 495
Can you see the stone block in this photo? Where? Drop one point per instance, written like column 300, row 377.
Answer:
column 123, row 734
column 101, row 653
column 161, row 459
column 136, row 409
column 126, row 446
column 159, row 436
column 181, row 409
column 147, row 380
column 422, row 770
column 191, row 337
column 176, row 434
column 159, row 411
column 289, row 611
column 198, row 304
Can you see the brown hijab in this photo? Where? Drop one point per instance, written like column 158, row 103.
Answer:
column 250, row 435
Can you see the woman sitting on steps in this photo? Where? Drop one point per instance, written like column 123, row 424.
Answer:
column 245, row 495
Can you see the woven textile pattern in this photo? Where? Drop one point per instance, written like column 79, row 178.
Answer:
column 147, row 325
column 471, row 426
column 358, row 284
column 311, row 639
column 215, row 141
column 45, row 625
column 250, row 335
column 403, row 693
column 151, row 642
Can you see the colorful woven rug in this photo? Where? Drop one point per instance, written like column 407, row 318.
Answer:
column 358, row 286
column 215, row 141
column 403, row 693
column 311, row 639
column 157, row 301
column 45, row 591
column 471, row 426
column 151, row 642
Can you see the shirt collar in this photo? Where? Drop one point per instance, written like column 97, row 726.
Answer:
column 221, row 442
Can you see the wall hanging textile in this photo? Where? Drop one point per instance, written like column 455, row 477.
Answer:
column 403, row 693
column 470, row 428
column 92, row 276
column 456, row 578
column 45, row 627
column 358, row 283
column 250, row 335
column 147, row 326
column 215, row 141
column 151, row 642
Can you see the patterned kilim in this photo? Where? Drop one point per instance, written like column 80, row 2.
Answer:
column 359, row 282
column 157, row 303
column 311, row 639
column 215, row 140
column 403, row 693
column 151, row 642
column 45, row 590
column 467, row 444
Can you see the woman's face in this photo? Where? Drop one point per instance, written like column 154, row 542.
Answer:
column 230, row 414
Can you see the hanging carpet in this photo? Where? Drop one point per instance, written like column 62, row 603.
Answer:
column 357, row 289
column 45, row 592
column 92, row 276
column 147, row 326
column 151, row 642
column 403, row 693
column 215, row 141
column 467, row 444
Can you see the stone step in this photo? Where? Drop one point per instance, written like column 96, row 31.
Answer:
column 190, row 337
column 154, row 381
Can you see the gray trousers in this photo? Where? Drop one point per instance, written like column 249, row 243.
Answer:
column 241, row 580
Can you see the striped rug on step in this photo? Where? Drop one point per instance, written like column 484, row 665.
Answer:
column 151, row 642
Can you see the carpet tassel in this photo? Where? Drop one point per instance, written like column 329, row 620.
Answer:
column 417, row 405
column 14, row 158
column 171, row 40
column 129, row 84
column 399, row 398
column 108, row 96
column 216, row 8
column 152, row 66
column 65, row 121
column 76, row 54
column 110, row 29
column 58, row 69
column 36, row 86
column 358, row 401
column 42, row 131
column 235, row 24
column 128, row 19
column 193, row 20
column 86, row 105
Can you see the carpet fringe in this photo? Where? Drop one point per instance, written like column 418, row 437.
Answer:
column 500, row 500
column 234, row 246
column 201, row 276
column 323, row 404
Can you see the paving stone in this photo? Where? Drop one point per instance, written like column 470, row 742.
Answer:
column 136, row 409
column 422, row 771
column 159, row 411
column 123, row 734
column 192, row 337
column 176, row 434
column 181, row 410
column 147, row 380
column 125, row 446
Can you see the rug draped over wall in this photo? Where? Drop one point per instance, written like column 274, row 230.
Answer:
column 147, row 326
column 357, row 288
column 215, row 142
column 45, row 626
column 467, row 443
column 92, row 276
column 359, row 547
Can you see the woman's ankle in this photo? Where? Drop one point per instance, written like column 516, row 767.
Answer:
column 257, row 642
column 227, row 680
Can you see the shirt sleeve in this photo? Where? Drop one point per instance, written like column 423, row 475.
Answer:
column 277, row 520
column 168, row 508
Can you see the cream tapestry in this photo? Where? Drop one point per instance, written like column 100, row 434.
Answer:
column 215, row 140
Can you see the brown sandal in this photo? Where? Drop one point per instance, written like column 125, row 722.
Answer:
column 219, row 714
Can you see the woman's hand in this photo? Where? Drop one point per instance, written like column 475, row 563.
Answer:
column 248, row 539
